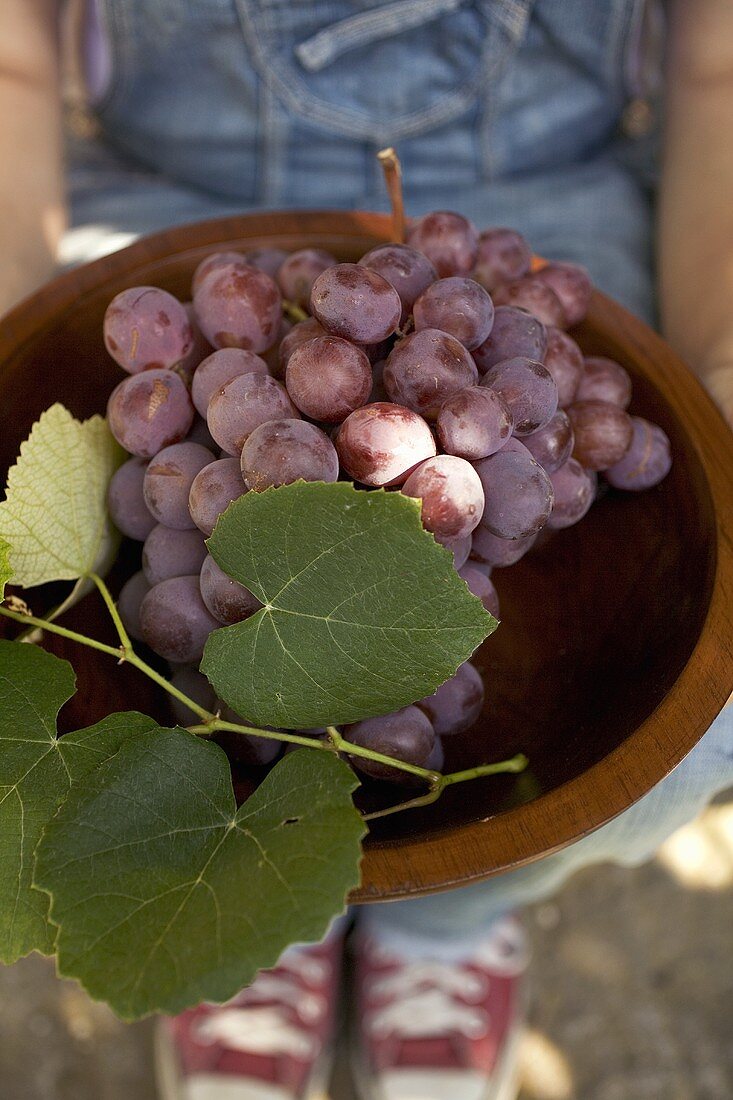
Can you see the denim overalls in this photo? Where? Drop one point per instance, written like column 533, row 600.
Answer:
column 539, row 114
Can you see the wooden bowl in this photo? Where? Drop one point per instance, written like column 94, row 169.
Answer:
column 615, row 651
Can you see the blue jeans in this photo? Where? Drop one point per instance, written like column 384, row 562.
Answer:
column 510, row 111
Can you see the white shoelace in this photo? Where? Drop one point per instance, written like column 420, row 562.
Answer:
column 422, row 1002
column 420, row 996
column 254, row 1027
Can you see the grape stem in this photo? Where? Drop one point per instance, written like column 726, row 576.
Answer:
column 121, row 653
column 33, row 635
column 439, row 782
column 338, row 743
column 211, row 723
column 294, row 312
column 114, row 613
column 393, row 178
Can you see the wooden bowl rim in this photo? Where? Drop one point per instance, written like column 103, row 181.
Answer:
column 459, row 855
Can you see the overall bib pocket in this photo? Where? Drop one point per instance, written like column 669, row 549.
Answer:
column 366, row 69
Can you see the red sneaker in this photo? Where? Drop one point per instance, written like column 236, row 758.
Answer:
column 430, row 1030
column 271, row 1042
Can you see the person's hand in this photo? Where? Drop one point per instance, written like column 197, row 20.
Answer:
column 719, row 383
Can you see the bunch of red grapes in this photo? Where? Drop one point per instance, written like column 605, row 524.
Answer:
column 440, row 368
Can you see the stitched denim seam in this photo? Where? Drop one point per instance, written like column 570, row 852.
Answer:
column 307, row 105
column 332, row 42
column 489, row 159
column 271, row 144
column 117, row 26
column 626, row 13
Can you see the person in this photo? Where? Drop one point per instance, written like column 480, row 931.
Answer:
column 542, row 116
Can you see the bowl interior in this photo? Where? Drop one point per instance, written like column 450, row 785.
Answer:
column 598, row 622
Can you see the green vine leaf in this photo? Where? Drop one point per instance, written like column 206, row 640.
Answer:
column 167, row 895
column 55, row 514
column 364, row 612
column 36, row 771
column 6, row 572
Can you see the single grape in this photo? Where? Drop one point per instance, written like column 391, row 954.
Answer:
column 457, row 703
column 130, row 514
column 406, row 735
column 356, row 303
column 200, row 348
column 604, row 380
column 149, row 411
column 518, row 492
column 269, row 260
column 299, row 334
column 482, row 567
column 575, row 491
column 212, row 261
column 200, row 433
column 218, row 369
column 328, row 378
column 459, row 548
column 238, row 307
column 145, row 327
column 514, row 332
column 129, row 601
column 381, row 444
column 425, row 369
column 168, row 481
column 564, row 360
column 451, row 494
column 489, row 549
column 299, row 271
column 227, row 599
column 212, row 490
column 603, row 433
column 195, row 685
column 409, row 271
column 436, row 761
column 532, row 294
column 482, row 587
column 169, row 552
column 647, row 461
column 174, row 620
column 573, row 286
column 449, row 241
column 242, row 405
column 283, row 451
column 503, row 255
column 529, row 391
column 474, row 423
column 553, row 444
column 458, row 306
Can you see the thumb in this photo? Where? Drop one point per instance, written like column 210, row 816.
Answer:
column 719, row 384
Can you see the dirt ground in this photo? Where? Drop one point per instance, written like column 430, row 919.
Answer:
column 632, row 995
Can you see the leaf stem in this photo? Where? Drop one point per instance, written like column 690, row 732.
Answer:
column 54, row 628
column 211, row 722
column 341, row 745
column 120, row 653
column 142, row 666
column 80, row 589
column 253, row 731
column 515, row 764
column 112, row 608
